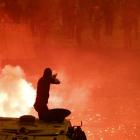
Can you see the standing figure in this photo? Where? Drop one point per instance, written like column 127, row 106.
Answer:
column 43, row 87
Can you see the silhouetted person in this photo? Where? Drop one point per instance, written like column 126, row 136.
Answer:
column 43, row 87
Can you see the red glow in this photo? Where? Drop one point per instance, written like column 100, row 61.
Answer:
column 96, row 57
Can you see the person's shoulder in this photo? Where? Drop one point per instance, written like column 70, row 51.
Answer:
column 40, row 79
column 44, row 79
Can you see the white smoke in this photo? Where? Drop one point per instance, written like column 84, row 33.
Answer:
column 16, row 94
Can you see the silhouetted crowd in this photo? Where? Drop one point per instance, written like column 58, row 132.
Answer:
column 73, row 18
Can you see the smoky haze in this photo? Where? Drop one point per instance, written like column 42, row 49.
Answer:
column 115, row 23
column 93, row 45
column 41, row 31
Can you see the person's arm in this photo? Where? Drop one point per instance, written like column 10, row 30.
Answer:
column 54, row 80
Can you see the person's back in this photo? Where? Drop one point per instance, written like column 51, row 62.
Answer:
column 43, row 88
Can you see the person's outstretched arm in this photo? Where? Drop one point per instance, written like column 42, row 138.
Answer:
column 54, row 80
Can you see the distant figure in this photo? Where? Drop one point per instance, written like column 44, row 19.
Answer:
column 43, row 87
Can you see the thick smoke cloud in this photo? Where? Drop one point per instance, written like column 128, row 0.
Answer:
column 96, row 55
column 16, row 94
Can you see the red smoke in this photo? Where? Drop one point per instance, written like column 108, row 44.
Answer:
column 99, row 76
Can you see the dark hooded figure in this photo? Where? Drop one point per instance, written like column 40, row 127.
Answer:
column 43, row 87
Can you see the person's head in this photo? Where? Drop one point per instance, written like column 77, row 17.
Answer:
column 47, row 72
